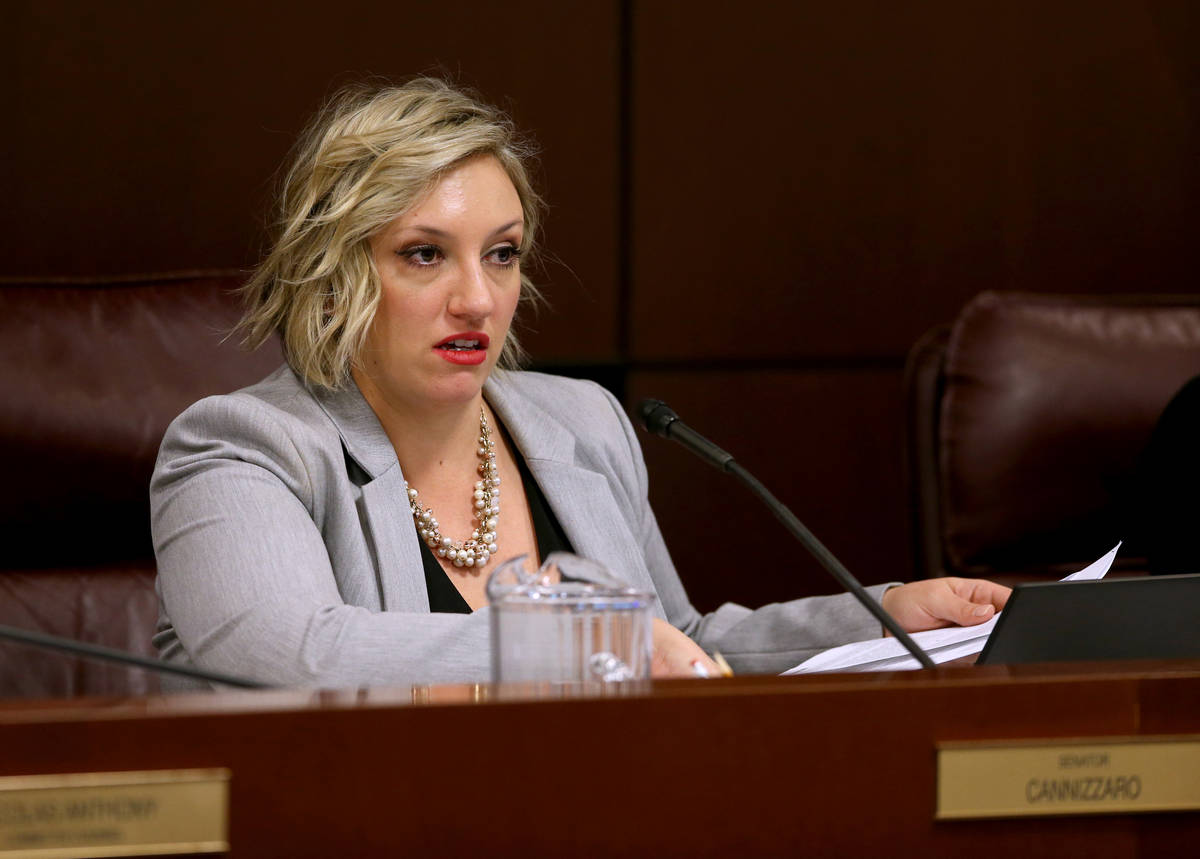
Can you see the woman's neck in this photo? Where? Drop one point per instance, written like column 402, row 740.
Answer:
column 430, row 440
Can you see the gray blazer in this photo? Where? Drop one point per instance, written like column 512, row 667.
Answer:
column 286, row 551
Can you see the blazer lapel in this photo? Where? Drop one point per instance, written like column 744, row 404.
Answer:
column 384, row 507
column 397, row 553
column 581, row 498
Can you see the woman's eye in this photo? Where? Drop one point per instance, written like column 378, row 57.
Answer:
column 503, row 255
column 422, row 255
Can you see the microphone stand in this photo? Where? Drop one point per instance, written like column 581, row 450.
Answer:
column 658, row 418
column 109, row 654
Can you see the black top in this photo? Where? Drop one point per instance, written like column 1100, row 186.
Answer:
column 444, row 597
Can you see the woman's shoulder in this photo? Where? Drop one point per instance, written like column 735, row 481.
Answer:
column 558, row 394
column 275, row 419
column 585, row 409
column 547, row 409
column 279, row 398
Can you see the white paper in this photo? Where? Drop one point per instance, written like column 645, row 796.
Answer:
column 942, row 645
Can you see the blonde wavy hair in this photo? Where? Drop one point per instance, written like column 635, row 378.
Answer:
column 370, row 155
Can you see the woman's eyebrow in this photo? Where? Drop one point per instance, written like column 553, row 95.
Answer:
column 441, row 234
column 421, row 228
column 508, row 226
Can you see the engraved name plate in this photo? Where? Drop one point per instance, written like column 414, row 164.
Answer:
column 1033, row 779
column 114, row 814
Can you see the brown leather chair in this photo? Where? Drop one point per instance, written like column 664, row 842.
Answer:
column 1026, row 418
column 91, row 373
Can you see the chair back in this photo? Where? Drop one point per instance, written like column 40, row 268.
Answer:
column 1026, row 418
column 92, row 371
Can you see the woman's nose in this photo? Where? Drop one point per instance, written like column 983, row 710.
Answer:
column 471, row 296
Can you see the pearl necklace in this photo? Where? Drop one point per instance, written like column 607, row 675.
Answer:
column 476, row 551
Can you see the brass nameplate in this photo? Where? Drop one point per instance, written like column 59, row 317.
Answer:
column 114, row 814
column 1076, row 777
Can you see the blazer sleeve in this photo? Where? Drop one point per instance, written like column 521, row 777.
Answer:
column 766, row 640
column 245, row 577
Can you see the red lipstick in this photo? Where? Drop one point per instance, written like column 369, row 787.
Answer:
column 466, row 347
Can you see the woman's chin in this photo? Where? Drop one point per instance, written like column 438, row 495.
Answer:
column 434, row 387
column 460, row 388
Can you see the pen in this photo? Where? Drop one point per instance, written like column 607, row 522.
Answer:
column 700, row 671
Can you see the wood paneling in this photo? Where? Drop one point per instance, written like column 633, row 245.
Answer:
column 810, row 185
column 825, row 443
column 817, row 185
column 144, row 136
column 832, row 180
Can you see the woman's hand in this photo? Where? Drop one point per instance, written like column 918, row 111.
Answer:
column 934, row 603
column 675, row 654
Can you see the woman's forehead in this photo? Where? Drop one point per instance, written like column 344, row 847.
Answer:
column 475, row 195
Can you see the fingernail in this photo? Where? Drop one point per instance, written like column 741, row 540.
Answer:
column 982, row 610
column 698, row 668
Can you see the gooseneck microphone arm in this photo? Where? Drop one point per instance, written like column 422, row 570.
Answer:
column 109, row 654
column 659, row 419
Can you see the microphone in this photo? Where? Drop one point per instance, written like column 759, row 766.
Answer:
column 660, row 419
column 110, row 654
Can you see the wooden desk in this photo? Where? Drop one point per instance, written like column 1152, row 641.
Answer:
column 837, row 765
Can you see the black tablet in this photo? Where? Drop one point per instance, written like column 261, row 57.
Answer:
column 1136, row 618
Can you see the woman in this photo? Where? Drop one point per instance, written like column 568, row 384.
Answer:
column 335, row 524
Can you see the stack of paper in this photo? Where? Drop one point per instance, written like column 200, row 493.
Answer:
column 942, row 645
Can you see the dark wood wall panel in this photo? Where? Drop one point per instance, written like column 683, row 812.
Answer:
column 825, row 443
column 811, row 187
column 144, row 136
column 814, row 186
column 833, row 179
